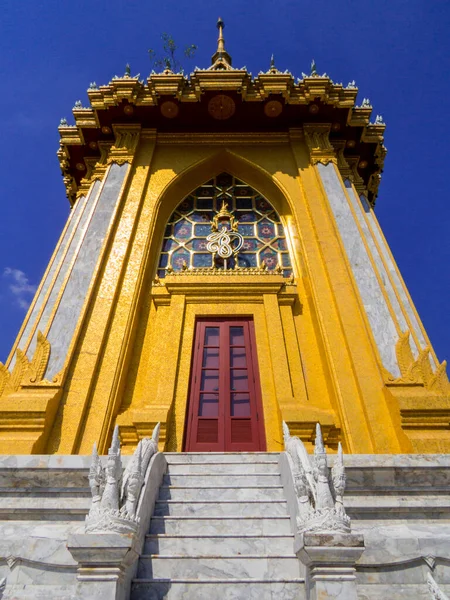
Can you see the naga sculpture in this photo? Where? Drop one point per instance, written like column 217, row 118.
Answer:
column 435, row 592
column 319, row 489
column 115, row 496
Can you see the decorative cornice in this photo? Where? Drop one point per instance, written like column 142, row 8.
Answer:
column 285, row 101
column 318, row 142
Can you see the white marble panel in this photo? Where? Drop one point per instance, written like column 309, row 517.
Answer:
column 383, row 327
column 230, row 590
column 73, row 218
column 86, row 209
column 245, row 567
column 359, row 207
column 394, row 273
column 409, row 591
column 24, row 591
column 74, row 295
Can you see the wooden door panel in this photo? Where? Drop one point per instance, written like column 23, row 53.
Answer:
column 225, row 404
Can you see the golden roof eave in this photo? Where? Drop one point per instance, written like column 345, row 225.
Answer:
column 121, row 91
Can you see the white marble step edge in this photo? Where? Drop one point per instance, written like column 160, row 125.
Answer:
column 230, row 468
column 206, row 457
column 199, row 545
column 213, row 581
column 222, row 535
column 219, row 517
column 208, row 557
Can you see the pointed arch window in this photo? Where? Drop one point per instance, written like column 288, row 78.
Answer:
column 262, row 238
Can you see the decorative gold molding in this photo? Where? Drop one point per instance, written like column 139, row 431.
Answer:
column 25, row 372
column 26, row 418
column 317, row 140
column 357, row 180
column 10, row 382
column 138, row 425
column 86, row 182
column 306, row 431
column 36, row 368
column 342, row 164
column 127, row 138
column 419, row 371
column 219, row 139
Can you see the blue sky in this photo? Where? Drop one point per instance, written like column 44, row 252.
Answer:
column 397, row 51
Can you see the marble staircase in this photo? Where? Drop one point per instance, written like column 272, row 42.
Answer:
column 220, row 530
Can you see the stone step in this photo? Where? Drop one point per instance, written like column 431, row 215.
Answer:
column 214, row 468
column 219, row 479
column 49, row 492
column 220, row 525
column 226, row 545
column 231, row 567
column 221, row 493
column 12, row 508
column 230, row 508
column 215, row 457
column 218, row 589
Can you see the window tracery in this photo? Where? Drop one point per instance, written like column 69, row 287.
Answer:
column 224, row 202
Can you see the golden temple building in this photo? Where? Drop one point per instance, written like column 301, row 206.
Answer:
column 222, row 270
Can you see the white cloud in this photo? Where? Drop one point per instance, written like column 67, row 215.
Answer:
column 19, row 286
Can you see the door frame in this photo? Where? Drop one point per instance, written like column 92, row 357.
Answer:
column 253, row 373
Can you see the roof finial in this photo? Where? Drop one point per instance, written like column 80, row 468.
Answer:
column 221, row 55
column 273, row 68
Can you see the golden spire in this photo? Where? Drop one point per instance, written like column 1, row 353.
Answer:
column 221, row 56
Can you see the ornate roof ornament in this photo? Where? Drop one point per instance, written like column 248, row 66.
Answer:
column 78, row 104
column 366, row 103
column 272, row 69
column 228, row 91
column 220, row 60
column 379, row 120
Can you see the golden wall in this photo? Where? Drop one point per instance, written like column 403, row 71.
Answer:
column 128, row 362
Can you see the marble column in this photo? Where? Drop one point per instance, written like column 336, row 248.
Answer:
column 330, row 560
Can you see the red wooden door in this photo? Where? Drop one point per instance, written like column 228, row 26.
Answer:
column 225, row 412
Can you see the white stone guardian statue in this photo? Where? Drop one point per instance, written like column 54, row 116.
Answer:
column 115, row 496
column 319, row 489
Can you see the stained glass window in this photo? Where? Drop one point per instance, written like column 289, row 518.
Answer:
column 264, row 241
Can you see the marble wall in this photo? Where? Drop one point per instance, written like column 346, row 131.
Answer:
column 406, row 304
column 376, row 307
column 76, row 288
column 59, row 266
column 400, row 503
